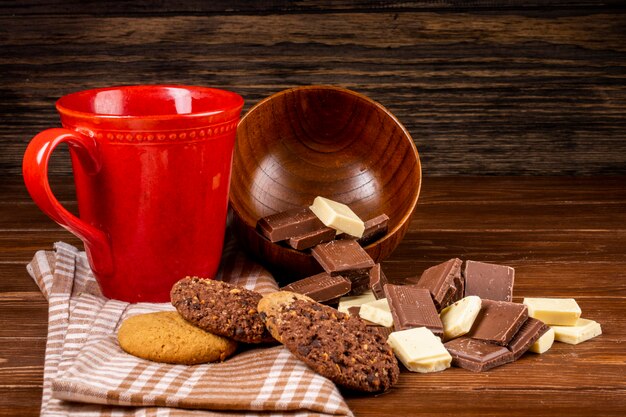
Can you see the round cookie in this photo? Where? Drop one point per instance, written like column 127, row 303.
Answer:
column 333, row 344
column 220, row 308
column 271, row 305
column 166, row 337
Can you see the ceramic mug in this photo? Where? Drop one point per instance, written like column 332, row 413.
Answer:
column 152, row 167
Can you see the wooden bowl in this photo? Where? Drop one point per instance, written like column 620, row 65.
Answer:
column 328, row 141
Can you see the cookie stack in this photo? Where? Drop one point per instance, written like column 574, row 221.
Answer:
column 213, row 316
column 335, row 345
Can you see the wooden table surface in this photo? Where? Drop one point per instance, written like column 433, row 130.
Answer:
column 565, row 237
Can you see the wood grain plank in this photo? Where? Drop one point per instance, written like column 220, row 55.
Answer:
column 27, row 216
column 20, row 247
column 479, row 190
column 97, row 8
column 15, row 280
column 533, row 279
column 21, row 361
column 13, row 190
column 431, row 217
column 506, row 29
column 513, row 246
column 24, row 318
column 518, row 403
column 519, row 217
column 25, row 402
column 438, row 209
column 20, row 401
column 523, row 190
column 428, row 246
column 501, row 93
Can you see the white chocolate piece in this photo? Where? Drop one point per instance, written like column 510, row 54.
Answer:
column 459, row 317
column 420, row 350
column 377, row 312
column 554, row 311
column 544, row 343
column 338, row 216
column 355, row 301
column 573, row 335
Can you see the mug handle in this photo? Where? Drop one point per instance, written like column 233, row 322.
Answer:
column 35, row 170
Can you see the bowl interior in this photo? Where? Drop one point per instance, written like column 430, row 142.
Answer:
column 326, row 141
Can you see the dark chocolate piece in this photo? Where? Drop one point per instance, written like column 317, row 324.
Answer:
column 296, row 222
column 459, row 290
column 528, row 334
column 412, row 307
column 449, row 299
column 489, row 281
column 308, row 240
column 498, row 321
column 442, row 280
column 357, row 274
column 377, row 281
column 360, row 282
column 343, row 257
column 374, row 228
column 334, row 301
column 354, row 312
column 477, row 355
column 321, row 287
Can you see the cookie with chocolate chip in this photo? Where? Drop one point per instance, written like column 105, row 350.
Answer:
column 220, row 308
column 333, row 344
column 272, row 304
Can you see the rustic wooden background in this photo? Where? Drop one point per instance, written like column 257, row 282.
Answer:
column 484, row 86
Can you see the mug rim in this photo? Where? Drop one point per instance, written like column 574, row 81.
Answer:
column 233, row 103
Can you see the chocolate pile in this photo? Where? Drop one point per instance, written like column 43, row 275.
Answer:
column 348, row 269
column 449, row 315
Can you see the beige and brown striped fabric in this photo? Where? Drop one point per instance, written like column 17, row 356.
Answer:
column 87, row 374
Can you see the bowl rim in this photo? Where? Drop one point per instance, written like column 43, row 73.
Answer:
column 407, row 135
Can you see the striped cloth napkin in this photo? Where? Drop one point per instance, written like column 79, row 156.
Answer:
column 87, row 374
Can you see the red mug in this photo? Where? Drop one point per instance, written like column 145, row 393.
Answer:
column 152, row 168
